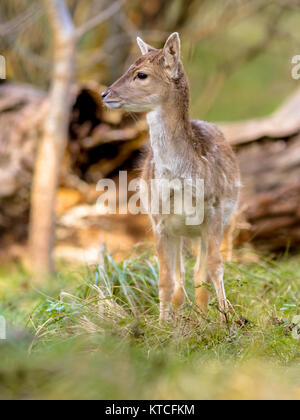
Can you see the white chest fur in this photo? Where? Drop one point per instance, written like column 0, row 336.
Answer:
column 169, row 162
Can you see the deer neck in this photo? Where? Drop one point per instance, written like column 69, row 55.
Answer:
column 170, row 134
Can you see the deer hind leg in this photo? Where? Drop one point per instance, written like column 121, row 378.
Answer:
column 228, row 239
column 215, row 266
column 179, row 276
column 167, row 249
column 201, row 276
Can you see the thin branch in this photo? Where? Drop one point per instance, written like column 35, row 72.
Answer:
column 100, row 18
column 60, row 19
column 229, row 15
column 36, row 60
column 101, row 55
column 21, row 21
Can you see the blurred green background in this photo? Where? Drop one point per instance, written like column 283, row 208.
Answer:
column 237, row 52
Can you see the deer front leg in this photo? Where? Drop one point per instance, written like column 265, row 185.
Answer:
column 179, row 294
column 201, row 277
column 216, row 273
column 167, row 251
column 215, row 266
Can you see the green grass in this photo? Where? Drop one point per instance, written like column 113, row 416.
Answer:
column 94, row 333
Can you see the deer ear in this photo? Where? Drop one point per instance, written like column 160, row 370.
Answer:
column 145, row 48
column 172, row 54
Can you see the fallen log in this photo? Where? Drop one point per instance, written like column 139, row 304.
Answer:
column 283, row 123
column 269, row 156
column 102, row 142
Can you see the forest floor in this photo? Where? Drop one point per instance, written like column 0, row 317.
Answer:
column 93, row 333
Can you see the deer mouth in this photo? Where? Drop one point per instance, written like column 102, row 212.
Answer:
column 113, row 104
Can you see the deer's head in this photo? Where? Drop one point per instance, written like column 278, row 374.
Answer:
column 149, row 81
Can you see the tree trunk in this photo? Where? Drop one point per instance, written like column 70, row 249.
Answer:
column 54, row 141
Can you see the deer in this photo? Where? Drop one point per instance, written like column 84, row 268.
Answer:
column 180, row 148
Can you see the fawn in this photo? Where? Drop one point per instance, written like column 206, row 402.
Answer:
column 181, row 149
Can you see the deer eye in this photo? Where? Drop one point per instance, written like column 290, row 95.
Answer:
column 142, row 76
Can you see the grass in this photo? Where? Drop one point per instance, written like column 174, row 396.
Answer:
column 94, row 333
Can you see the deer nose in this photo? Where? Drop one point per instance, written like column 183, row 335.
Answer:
column 104, row 94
